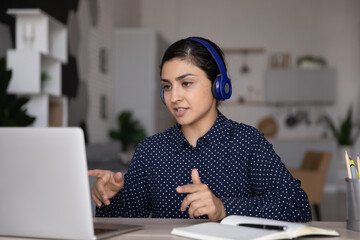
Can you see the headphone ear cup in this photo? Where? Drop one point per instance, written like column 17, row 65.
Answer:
column 225, row 88
column 162, row 95
column 216, row 88
column 222, row 88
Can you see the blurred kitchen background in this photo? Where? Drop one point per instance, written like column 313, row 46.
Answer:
column 292, row 63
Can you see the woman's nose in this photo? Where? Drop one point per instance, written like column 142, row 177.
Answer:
column 176, row 94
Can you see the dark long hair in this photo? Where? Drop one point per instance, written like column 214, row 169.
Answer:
column 197, row 54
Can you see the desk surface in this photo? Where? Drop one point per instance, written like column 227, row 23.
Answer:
column 160, row 229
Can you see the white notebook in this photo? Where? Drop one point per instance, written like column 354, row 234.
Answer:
column 246, row 228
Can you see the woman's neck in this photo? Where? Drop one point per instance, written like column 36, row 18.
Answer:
column 195, row 131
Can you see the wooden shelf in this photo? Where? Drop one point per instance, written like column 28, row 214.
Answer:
column 27, row 66
column 41, row 47
column 237, row 103
column 268, row 104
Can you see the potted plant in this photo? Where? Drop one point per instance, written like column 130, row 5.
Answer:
column 347, row 132
column 129, row 133
column 309, row 61
column 12, row 112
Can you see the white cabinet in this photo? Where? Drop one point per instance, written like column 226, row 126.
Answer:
column 41, row 49
column 296, row 86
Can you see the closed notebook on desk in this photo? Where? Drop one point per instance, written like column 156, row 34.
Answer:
column 44, row 187
column 229, row 228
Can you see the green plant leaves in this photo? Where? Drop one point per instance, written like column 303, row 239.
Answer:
column 12, row 112
column 129, row 132
column 347, row 132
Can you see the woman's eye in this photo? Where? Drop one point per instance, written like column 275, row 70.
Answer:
column 187, row 84
column 166, row 87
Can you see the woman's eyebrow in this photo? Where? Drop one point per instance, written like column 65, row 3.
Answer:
column 178, row 78
column 164, row 80
column 184, row 76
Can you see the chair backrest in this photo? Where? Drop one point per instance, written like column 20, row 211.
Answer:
column 316, row 161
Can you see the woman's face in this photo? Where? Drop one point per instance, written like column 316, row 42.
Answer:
column 187, row 93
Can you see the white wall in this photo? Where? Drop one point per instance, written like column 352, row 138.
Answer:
column 327, row 28
column 93, row 82
column 126, row 13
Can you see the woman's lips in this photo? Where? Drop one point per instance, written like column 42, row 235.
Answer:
column 179, row 112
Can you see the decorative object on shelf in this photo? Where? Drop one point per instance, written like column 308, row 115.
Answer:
column 291, row 120
column 295, row 118
column 241, row 99
column 309, row 61
column 45, row 76
column 245, row 69
column 268, row 127
column 280, row 60
column 129, row 133
column 12, row 112
column 29, row 35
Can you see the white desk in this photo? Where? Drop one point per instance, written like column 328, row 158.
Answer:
column 159, row 229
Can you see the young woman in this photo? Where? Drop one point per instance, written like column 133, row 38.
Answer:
column 206, row 166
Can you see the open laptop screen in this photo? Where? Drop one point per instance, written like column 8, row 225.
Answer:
column 44, row 184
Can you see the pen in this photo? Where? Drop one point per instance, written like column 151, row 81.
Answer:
column 347, row 164
column 354, row 172
column 263, row 226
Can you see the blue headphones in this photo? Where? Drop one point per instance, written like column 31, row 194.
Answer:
column 222, row 85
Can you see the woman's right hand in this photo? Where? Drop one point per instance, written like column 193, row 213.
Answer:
column 106, row 186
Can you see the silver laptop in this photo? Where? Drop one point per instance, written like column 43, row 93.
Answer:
column 44, row 187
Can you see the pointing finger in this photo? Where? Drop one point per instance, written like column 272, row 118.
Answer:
column 96, row 173
column 195, row 176
column 118, row 178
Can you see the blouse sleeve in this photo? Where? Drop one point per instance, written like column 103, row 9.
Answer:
column 275, row 193
column 133, row 199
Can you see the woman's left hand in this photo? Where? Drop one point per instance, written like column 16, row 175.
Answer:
column 201, row 200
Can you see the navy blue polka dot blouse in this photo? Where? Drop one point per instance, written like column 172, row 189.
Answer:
column 234, row 160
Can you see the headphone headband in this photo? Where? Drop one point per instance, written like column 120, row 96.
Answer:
column 213, row 53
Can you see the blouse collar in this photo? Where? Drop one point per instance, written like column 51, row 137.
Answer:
column 212, row 137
